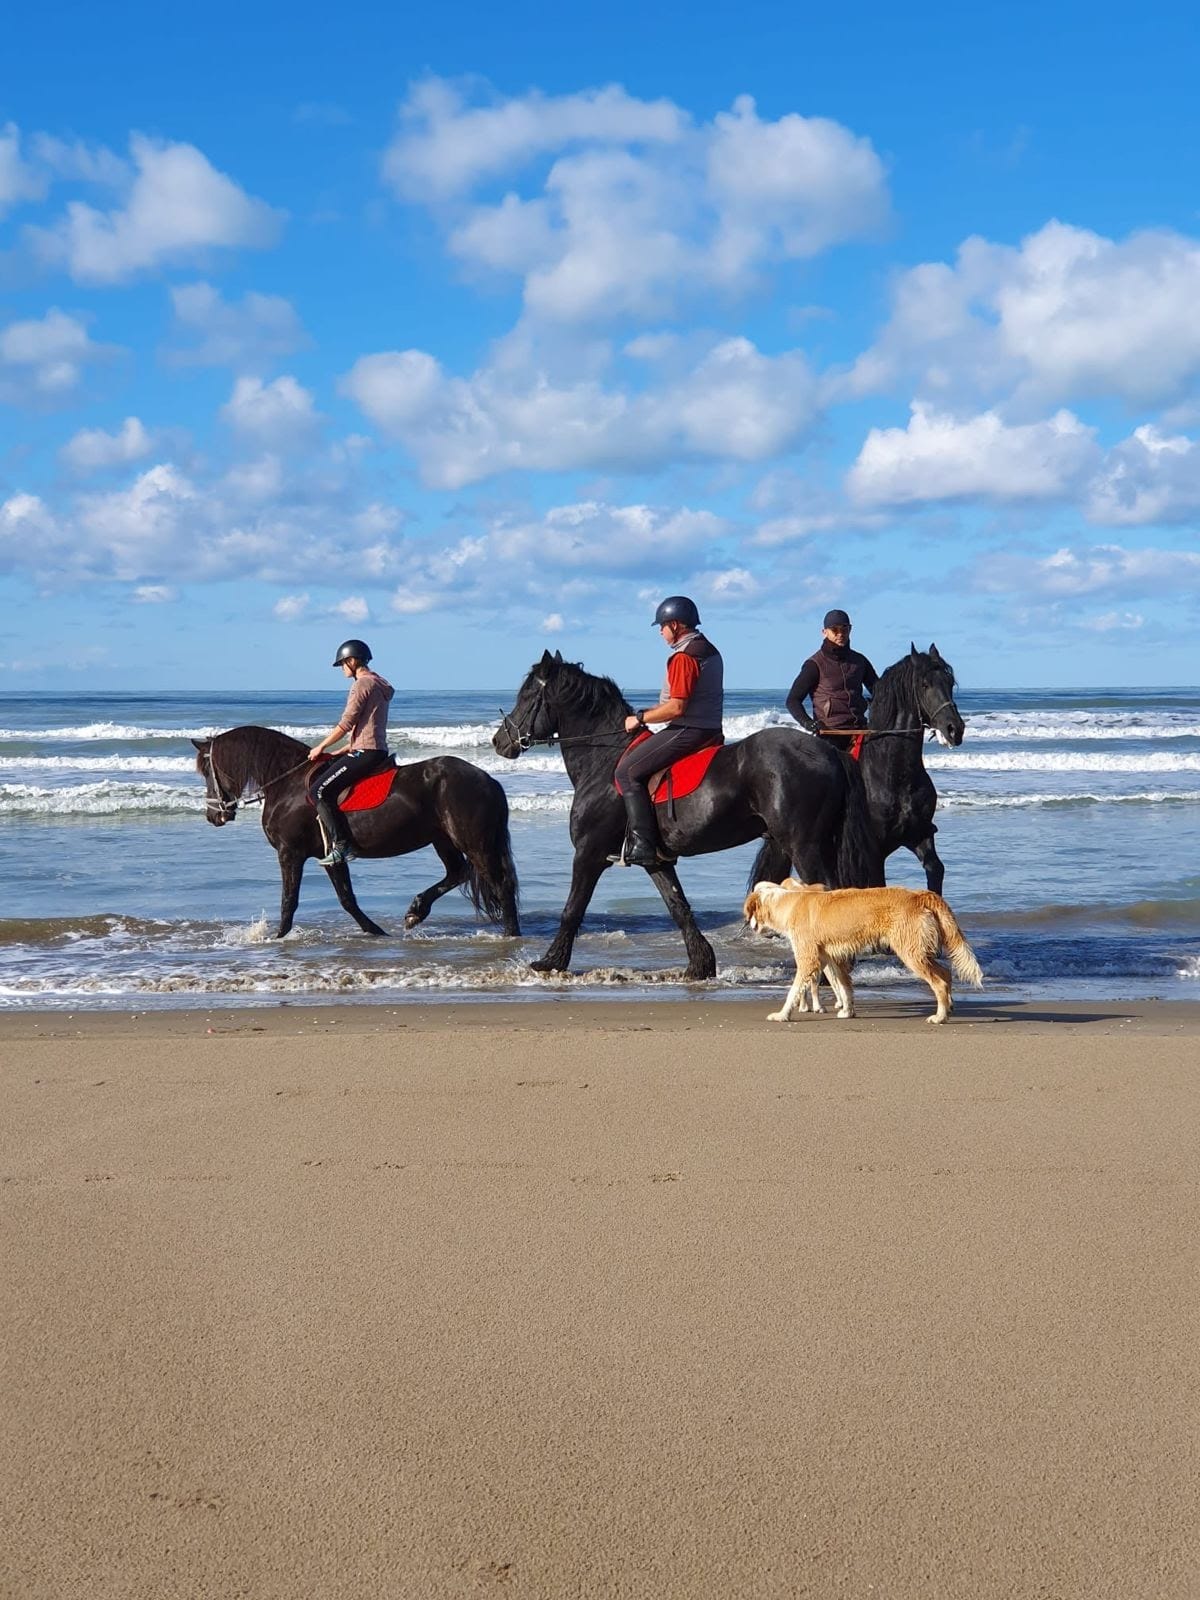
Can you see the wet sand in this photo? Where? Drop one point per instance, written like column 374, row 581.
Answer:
column 569, row 1299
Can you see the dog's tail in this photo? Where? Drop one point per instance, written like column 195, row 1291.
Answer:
column 962, row 957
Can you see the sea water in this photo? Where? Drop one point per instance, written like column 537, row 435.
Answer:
column 1069, row 822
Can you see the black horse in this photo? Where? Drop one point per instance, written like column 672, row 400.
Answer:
column 457, row 808
column 912, row 697
column 776, row 782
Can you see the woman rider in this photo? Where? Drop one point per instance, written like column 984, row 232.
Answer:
column 364, row 721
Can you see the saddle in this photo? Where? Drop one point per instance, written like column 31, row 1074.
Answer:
column 682, row 777
column 367, row 793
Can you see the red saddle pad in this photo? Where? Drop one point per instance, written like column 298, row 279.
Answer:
column 367, row 793
column 686, row 775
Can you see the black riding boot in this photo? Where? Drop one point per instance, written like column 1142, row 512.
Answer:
column 643, row 843
column 341, row 845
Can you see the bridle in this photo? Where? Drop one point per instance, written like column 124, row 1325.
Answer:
column 226, row 808
column 525, row 741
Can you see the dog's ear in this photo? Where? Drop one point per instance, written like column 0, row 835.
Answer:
column 791, row 883
column 750, row 909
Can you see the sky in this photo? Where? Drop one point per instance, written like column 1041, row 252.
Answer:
column 475, row 330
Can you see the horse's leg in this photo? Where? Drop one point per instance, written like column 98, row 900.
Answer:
column 291, row 870
column 456, row 872
column 339, row 877
column 702, row 961
column 585, row 875
column 926, row 853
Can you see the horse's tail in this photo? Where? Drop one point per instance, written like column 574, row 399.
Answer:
column 771, row 863
column 491, row 883
column 859, row 859
column 962, row 957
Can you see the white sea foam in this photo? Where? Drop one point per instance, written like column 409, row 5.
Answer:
column 113, row 763
column 948, row 799
column 102, row 799
column 112, row 732
column 1028, row 726
column 1061, row 761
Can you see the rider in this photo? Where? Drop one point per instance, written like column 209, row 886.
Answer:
column 691, row 706
column 365, row 721
column 835, row 677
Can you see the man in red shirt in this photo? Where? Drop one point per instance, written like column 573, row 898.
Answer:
column 691, row 706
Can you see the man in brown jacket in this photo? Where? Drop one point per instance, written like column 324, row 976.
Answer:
column 364, row 721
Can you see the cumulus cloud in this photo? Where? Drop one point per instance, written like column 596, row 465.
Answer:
column 937, row 457
column 19, row 181
column 250, row 334
column 1150, row 477
column 42, row 359
column 1094, row 570
column 92, row 450
column 176, row 207
column 154, row 594
column 638, row 206
column 734, row 404
column 1066, row 315
column 166, row 525
column 278, row 415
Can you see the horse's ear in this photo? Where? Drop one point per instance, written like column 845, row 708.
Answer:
column 913, row 648
column 558, row 658
column 547, row 660
column 201, row 744
column 933, row 653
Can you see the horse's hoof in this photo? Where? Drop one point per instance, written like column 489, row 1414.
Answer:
column 546, row 965
column 414, row 919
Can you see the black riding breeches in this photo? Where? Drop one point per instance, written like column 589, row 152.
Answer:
column 637, row 765
column 345, row 769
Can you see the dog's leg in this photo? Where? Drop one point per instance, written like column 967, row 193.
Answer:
column 916, row 952
column 838, row 973
column 807, row 969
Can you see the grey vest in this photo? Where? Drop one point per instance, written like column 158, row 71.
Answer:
column 706, row 703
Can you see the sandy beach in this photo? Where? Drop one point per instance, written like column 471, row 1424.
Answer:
column 561, row 1299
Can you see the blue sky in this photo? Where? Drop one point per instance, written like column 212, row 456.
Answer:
column 479, row 331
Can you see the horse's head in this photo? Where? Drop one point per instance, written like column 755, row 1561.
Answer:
column 933, row 683
column 532, row 719
column 220, row 806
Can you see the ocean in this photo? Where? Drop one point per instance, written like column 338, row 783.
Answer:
column 1069, row 822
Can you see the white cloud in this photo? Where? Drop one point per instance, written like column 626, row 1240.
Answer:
column 177, row 207
column 1067, row 315
column 278, row 415
column 940, row 458
column 42, row 360
column 353, row 609
column 248, row 334
column 18, row 180
column 553, row 623
column 638, row 207
column 290, row 607
column 1150, row 477
column 1113, row 622
column 446, row 147
column 734, row 404
column 154, row 594
column 1097, row 569
column 92, row 449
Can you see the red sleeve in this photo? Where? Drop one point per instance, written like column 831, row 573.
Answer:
column 682, row 673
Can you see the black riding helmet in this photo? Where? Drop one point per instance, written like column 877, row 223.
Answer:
column 677, row 608
column 352, row 647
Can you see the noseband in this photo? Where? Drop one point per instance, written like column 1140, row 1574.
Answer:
column 512, row 727
column 225, row 809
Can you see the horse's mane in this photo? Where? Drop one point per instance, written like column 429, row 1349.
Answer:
column 253, row 755
column 895, row 692
column 587, row 694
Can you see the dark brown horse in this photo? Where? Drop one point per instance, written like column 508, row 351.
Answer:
column 448, row 803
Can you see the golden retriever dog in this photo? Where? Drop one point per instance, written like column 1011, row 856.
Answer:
column 829, row 927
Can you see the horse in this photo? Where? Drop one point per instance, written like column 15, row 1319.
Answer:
column 776, row 782
column 913, row 696
column 446, row 802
